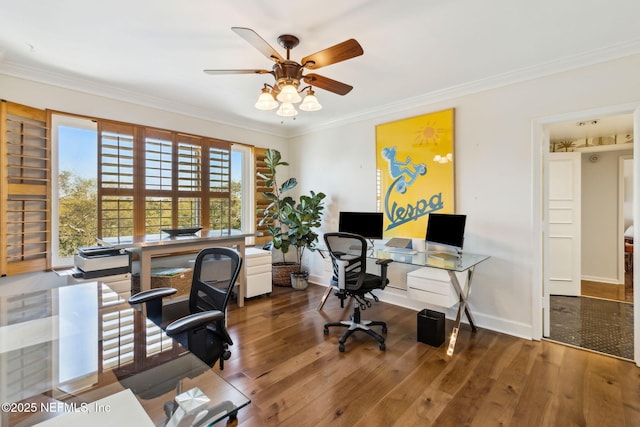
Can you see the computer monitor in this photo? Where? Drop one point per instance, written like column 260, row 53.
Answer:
column 445, row 232
column 366, row 224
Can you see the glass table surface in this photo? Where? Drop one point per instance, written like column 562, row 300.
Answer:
column 424, row 259
column 436, row 260
column 69, row 351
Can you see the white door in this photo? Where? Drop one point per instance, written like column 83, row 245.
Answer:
column 564, row 224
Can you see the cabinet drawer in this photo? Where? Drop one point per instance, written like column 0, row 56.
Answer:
column 434, row 286
column 257, row 269
column 433, row 298
column 259, row 284
column 254, row 256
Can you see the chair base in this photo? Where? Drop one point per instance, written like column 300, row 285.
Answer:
column 356, row 324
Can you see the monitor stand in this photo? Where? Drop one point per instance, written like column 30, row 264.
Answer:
column 446, row 255
column 443, row 256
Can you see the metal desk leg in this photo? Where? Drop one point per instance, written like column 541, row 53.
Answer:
column 327, row 292
column 462, row 308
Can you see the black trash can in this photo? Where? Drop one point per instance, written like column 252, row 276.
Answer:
column 431, row 327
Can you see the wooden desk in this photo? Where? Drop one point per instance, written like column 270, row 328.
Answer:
column 153, row 245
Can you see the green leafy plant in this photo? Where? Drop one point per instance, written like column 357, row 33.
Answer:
column 290, row 223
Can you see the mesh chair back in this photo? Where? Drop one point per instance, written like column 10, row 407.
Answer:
column 214, row 276
column 353, row 249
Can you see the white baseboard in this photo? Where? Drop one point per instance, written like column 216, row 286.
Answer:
column 608, row 280
column 399, row 297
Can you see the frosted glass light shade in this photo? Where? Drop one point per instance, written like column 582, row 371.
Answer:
column 266, row 101
column 287, row 110
column 289, row 94
column 310, row 102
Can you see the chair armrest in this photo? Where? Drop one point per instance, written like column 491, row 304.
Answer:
column 151, row 294
column 193, row 321
column 384, row 263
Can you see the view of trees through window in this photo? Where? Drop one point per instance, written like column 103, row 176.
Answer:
column 77, row 189
column 78, row 198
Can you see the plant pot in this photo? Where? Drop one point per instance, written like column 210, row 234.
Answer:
column 281, row 273
column 300, row 280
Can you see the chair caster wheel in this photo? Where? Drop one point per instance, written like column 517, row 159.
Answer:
column 226, row 355
column 341, row 348
column 326, row 331
column 383, row 347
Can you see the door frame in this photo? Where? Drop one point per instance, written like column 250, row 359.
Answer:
column 540, row 158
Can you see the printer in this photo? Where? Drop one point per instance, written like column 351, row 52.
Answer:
column 99, row 261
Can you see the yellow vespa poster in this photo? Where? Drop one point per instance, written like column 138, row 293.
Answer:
column 414, row 159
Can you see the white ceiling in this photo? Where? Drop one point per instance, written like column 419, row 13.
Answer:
column 153, row 52
column 592, row 127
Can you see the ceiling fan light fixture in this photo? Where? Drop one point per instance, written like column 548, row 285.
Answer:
column 289, row 74
column 289, row 94
column 310, row 102
column 266, row 101
column 287, row 110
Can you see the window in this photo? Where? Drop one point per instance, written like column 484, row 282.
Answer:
column 242, row 204
column 74, row 177
column 117, row 179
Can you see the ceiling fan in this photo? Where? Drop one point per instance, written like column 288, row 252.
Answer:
column 288, row 73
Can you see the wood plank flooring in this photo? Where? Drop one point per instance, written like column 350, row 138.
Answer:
column 622, row 293
column 295, row 375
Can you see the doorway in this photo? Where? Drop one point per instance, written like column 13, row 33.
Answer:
column 587, row 280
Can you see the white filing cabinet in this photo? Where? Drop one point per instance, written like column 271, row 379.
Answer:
column 258, row 263
column 433, row 286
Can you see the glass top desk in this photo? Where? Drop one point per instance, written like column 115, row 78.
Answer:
column 466, row 263
column 76, row 354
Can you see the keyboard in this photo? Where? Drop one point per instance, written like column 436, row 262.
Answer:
column 403, row 251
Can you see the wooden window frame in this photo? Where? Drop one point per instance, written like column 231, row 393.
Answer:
column 40, row 187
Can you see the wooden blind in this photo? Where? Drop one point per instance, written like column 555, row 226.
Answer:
column 25, row 203
column 116, row 179
column 219, row 187
column 159, row 174
column 148, row 179
column 191, row 165
column 260, row 201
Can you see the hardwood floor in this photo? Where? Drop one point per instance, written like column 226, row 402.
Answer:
column 295, row 375
column 609, row 291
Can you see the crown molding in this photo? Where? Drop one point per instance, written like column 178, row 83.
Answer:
column 573, row 62
column 549, row 68
column 79, row 84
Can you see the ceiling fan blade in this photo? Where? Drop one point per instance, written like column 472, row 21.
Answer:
column 341, row 52
column 327, row 84
column 219, row 72
column 258, row 42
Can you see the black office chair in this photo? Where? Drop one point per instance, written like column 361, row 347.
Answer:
column 201, row 328
column 349, row 258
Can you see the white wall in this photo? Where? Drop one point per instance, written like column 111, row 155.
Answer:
column 628, row 193
column 494, row 166
column 494, row 175
column 600, row 215
column 55, row 98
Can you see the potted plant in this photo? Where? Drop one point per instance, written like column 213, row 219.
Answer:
column 301, row 221
column 290, row 223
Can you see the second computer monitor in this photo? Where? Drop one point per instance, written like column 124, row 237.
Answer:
column 366, row 224
column 446, row 231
